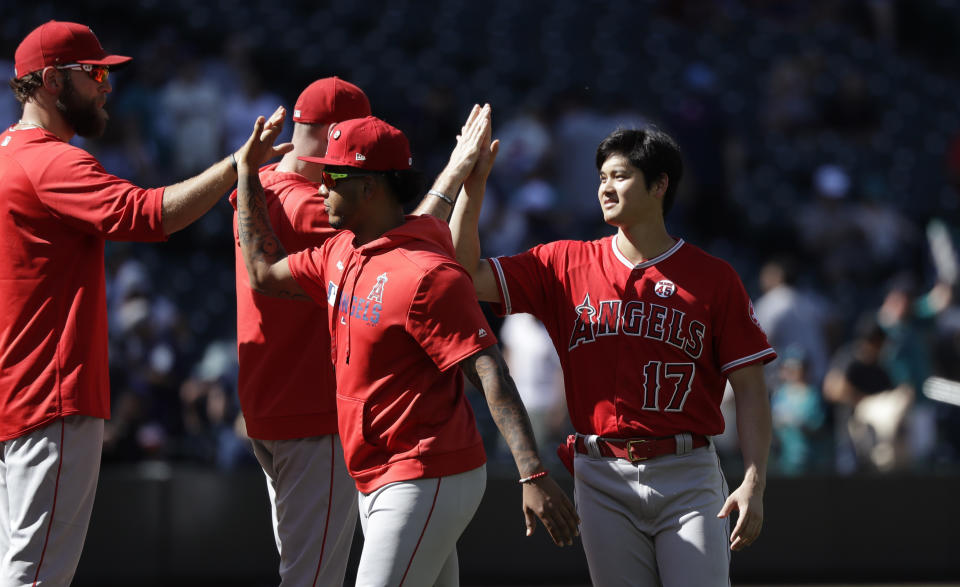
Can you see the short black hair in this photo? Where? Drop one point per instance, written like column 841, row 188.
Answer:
column 650, row 150
column 406, row 184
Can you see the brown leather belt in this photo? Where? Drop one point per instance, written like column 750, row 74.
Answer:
column 639, row 449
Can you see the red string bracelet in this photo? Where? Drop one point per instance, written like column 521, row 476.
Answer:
column 532, row 477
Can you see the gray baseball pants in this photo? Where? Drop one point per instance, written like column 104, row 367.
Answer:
column 654, row 523
column 48, row 479
column 411, row 529
column 313, row 503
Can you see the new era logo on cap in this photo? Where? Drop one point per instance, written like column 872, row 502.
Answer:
column 367, row 143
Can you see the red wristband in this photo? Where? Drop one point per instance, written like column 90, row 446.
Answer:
column 532, row 477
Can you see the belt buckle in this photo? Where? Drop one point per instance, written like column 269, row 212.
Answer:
column 630, row 456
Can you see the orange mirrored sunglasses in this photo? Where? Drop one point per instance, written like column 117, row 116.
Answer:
column 98, row 73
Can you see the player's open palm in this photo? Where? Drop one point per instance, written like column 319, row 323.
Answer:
column 260, row 148
column 470, row 141
column 544, row 499
column 749, row 503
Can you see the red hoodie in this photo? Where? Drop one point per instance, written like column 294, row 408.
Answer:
column 403, row 314
column 286, row 387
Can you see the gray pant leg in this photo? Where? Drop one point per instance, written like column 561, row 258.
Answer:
column 620, row 553
column 692, row 544
column 314, row 506
column 50, row 476
column 411, row 530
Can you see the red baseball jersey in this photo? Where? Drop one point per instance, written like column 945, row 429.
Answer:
column 58, row 206
column 645, row 348
column 286, row 385
column 403, row 314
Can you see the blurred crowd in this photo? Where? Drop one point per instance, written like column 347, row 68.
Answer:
column 822, row 152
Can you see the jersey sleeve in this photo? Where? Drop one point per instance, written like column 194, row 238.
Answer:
column 306, row 267
column 308, row 221
column 740, row 341
column 521, row 279
column 78, row 191
column 445, row 317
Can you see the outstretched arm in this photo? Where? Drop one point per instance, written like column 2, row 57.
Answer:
column 465, row 222
column 462, row 160
column 542, row 497
column 263, row 254
column 754, row 429
column 185, row 202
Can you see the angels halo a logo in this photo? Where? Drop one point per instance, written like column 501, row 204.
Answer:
column 664, row 288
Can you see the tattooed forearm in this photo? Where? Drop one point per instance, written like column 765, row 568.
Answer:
column 487, row 371
column 259, row 243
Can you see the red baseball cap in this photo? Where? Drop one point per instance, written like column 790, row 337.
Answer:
column 366, row 143
column 330, row 99
column 61, row 43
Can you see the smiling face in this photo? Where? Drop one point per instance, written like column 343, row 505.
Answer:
column 625, row 198
column 81, row 103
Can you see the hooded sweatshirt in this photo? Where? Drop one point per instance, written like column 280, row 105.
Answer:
column 402, row 315
column 286, row 384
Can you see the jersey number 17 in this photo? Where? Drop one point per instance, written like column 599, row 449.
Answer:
column 675, row 379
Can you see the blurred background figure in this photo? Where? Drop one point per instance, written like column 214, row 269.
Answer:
column 214, row 432
column 794, row 319
column 535, row 368
column 869, row 410
column 798, row 416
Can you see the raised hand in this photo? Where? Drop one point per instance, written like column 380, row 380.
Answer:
column 485, row 158
column 473, row 139
column 260, row 148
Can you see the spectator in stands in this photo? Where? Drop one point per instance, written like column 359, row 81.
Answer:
column 793, row 318
column 798, row 415
column 869, row 410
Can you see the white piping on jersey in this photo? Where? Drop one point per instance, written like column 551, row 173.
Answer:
column 507, row 305
column 647, row 263
column 753, row 357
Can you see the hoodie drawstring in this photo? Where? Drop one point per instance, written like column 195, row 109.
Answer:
column 353, row 292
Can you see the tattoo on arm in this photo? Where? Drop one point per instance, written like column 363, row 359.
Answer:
column 259, row 243
column 487, row 372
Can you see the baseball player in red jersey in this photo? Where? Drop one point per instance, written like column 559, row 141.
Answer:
column 649, row 329
column 57, row 208
column 400, row 328
column 286, row 384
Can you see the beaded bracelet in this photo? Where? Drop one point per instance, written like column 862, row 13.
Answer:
column 532, row 477
column 441, row 195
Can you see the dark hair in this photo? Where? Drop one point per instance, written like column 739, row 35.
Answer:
column 869, row 329
column 406, row 184
column 25, row 87
column 650, row 150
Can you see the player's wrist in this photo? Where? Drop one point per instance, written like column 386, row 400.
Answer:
column 440, row 195
column 533, row 477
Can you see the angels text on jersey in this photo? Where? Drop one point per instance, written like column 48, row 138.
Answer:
column 659, row 322
column 367, row 309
